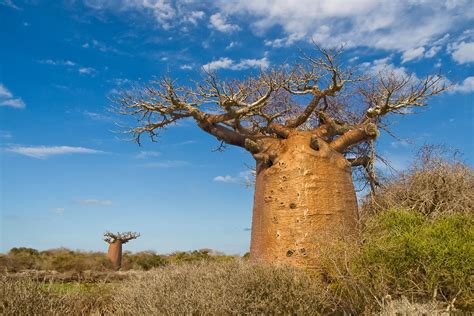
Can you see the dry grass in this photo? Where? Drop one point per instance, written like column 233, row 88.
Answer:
column 237, row 287
column 207, row 288
column 29, row 297
column 438, row 183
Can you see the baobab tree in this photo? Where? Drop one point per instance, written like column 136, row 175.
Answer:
column 306, row 127
column 115, row 241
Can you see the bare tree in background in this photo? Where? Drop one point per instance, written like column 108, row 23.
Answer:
column 115, row 242
column 307, row 127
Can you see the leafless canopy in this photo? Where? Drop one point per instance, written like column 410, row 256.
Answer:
column 319, row 95
column 123, row 237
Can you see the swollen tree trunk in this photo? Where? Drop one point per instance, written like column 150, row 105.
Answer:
column 304, row 198
column 115, row 254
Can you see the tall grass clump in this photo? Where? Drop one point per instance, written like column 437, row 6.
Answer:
column 219, row 288
column 437, row 183
column 31, row 297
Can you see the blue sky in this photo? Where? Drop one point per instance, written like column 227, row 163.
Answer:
column 67, row 174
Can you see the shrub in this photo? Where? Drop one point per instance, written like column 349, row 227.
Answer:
column 405, row 254
column 422, row 257
column 437, row 183
column 234, row 287
column 27, row 297
column 143, row 261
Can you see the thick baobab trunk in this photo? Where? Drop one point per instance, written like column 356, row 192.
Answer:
column 115, row 254
column 303, row 200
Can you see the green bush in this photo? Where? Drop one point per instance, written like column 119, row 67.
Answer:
column 418, row 256
column 143, row 261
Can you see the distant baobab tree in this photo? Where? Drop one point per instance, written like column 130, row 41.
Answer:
column 115, row 242
column 307, row 127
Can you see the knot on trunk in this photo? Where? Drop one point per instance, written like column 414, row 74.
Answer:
column 372, row 130
column 265, row 160
column 313, row 143
column 252, row 146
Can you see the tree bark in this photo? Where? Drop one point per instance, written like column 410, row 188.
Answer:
column 115, row 254
column 303, row 200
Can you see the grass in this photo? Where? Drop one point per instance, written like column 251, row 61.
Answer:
column 406, row 262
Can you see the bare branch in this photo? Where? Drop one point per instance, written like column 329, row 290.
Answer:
column 122, row 237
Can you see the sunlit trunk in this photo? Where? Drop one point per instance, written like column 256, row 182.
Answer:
column 303, row 200
column 115, row 254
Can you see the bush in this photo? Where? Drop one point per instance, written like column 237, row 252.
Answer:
column 437, row 183
column 234, row 287
column 27, row 297
column 143, row 261
column 405, row 254
column 420, row 257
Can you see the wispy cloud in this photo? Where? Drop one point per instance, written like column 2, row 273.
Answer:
column 100, row 46
column 219, row 22
column 462, row 52
column 466, row 86
column 95, row 202
column 5, row 134
column 7, row 99
column 187, row 67
column 42, row 152
column 147, row 154
column 59, row 210
column 87, row 71
column 10, row 4
column 244, row 177
column 165, row 164
column 412, row 54
column 402, row 26
column 98, row 116
column 227, row 63
column 57, row 62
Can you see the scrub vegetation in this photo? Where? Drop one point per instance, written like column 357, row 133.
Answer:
column 414, row 256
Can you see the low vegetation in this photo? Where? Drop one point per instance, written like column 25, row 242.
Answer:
column 415, row 256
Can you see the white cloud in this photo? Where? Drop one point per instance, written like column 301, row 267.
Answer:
column 43, row 152
column 194, row 16
column 98, row 116
column 7, row 99
column 87, row 71
column 10, row 4
column 14, row 103
column 166, row 13
column 232, row 45
column 57, row 62
column 463, row 52
column 285, row 41
column 388, row 25
column 4, row 92
column 147, row 154
column 467, row 86
column 384, row 65
column 244, row 177
column 59, row 210
column 226, row 179
column 432, row 51
column 5, row 134
column 186, row 67
column 219, row 22
column 227, row 63
column 95, row 202
column 412, row 53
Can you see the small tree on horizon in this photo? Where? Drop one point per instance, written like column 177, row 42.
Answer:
column 306, row 127
column 115, row 241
